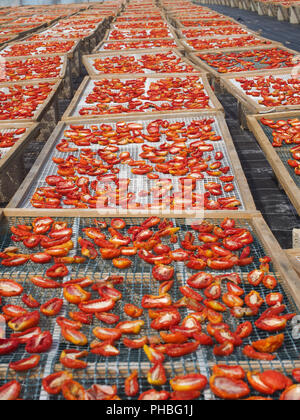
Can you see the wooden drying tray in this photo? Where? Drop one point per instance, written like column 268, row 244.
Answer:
column 180, row 34
column 141, row 22
column 70, row 54
column 106, row 36
column 294, row 257
column 68, row 115
column 280, row 169
column 88, row 60
column 92, row 34
column 179, row 25
column 98, row 49
column 189, row 49
column 288, row 277
column 242, row 185
column 30, row 31
column 249, row 104
column 12, row 171
column 39, row 113
column 206, row 67
column 63, row 70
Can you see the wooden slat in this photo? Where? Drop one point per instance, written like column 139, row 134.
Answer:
column 19, row 146
column 294, row 257
column 280, row 170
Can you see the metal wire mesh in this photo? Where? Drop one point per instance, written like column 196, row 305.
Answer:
column 137, row 282
column 139, row 183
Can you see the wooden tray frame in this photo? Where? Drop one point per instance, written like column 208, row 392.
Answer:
column 179, row 25
column 63, row 71
column 240, row 178
column 281, row 172
column 163, row 19
column 70, row 54
column 203, row 65
column 176, row 41
column 12, row 170
column 48, row 102
column 294, row 257
column 251, row 107
column 170, row 29
column 68, row 114
column 189, row 49
column 92, row 72
column 30, row 31
column 181, row 36
column 85, row 42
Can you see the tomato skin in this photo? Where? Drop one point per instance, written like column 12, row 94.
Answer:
column 228, row 388
column 118, row 224
column 61, row 376
column 296, row 375
column 22, row 323
column 251, row 353
column 122, row 263
column 73, row 391
column 235, row 372
column 39, row 343
column 269, row 344
column 30, row 301
column 275, row 380
column 178, row 350
column 41, row 258
column 135, row 344
column 25, row 364
column 244, row 330
column 166, row 320
column 70, row 359
column 255, row 381
column 224, row 349
column 52, row 307
column 189, row 382
column 10, row 288
column 132, row 385
column 108, row 318
column 10, row 391
column 200, row 280
column 24, row 337
column 132, row 310
column 8, row 345
column 163, row 272
column 154, row 395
